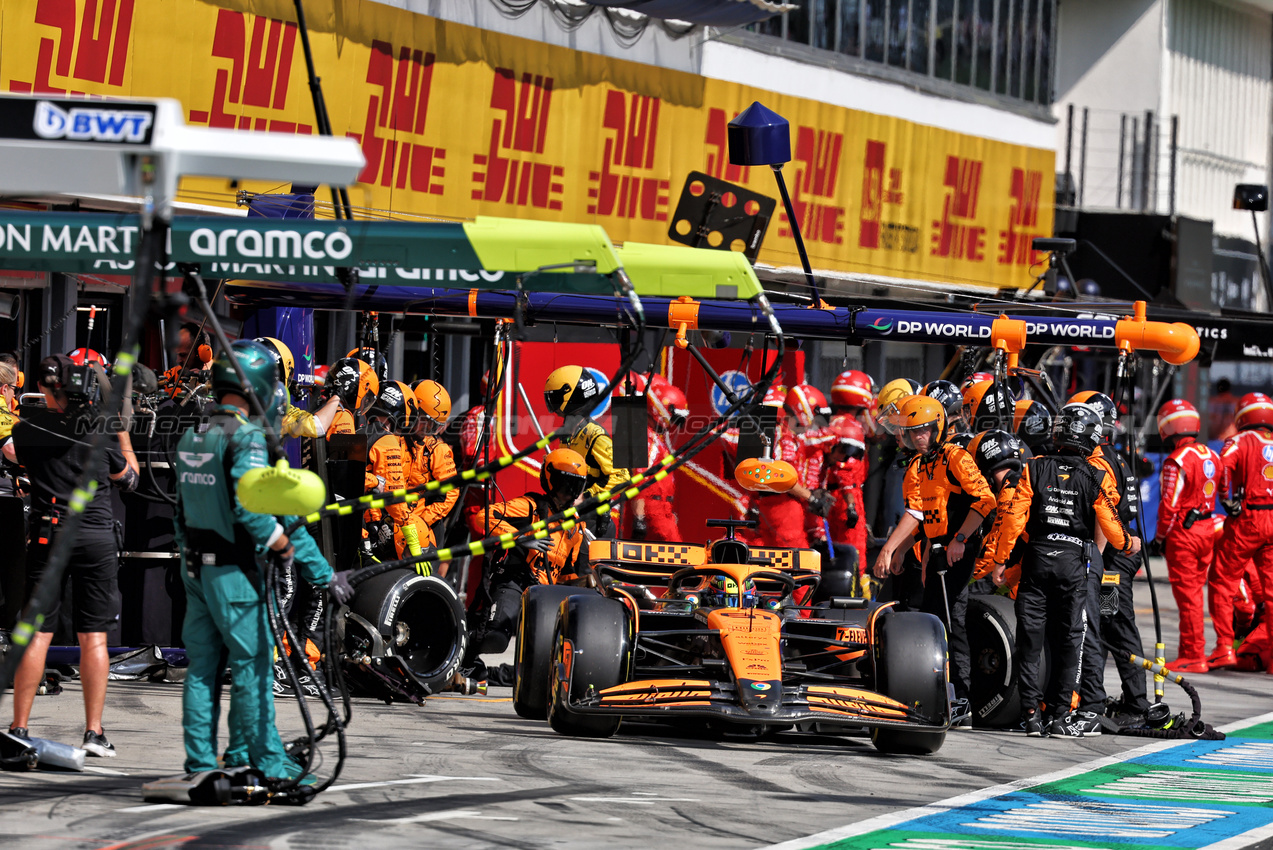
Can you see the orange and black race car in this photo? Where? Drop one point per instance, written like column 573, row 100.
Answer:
column 679, row 632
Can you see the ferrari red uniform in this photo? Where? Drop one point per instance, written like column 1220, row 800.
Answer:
column 782, row 516
column 1248, row 468
column 844, row 481
column 1190, row 477
column 656, row 500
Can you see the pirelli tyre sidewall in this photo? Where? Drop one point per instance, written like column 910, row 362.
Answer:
column 910, row 666
column 418, row 619
column 536, row 630
column 592, row 652
column 992, row 641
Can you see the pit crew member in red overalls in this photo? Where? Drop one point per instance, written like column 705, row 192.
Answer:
column 653, row 512
column 782, row 515
column 1247, row 460
column 807, row 414
column 843, row 474
column 1190, row 478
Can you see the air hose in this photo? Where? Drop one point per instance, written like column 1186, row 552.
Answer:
column 1175, row 728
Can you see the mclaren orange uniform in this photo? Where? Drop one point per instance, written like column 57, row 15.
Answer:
column 559, row 564
column 343, row 423
column 386, row 472
column 430, row 460
column 1189, row 482
column 1247, row 460
column 1059, row 502
column 986, row 561
column 941, row 488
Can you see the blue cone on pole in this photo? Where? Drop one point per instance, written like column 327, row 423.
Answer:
column 759, row 136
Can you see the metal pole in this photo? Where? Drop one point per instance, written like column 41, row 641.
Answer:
column 1132, row 171
column 795, row 232
column 1069, row 145
column 340, row 196
column 1083, row 158
column 1122, row 144
column 1145, row 164
column 1175, row 141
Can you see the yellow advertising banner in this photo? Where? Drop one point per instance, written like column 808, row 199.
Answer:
column 457, row 122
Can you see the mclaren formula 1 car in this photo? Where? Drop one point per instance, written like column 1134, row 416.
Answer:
column 729, row 636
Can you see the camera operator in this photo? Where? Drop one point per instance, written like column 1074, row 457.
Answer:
column 53, row 446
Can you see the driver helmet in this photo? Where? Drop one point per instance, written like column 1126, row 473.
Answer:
column 723, row 592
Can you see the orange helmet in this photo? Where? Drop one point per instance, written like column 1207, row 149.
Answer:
column 806, row 402
column 667, row 404
column 985, row 403
column 1255, row 410
column 80, row 356
column 853, row 389
column 563, row 472
column 919, row 412
column 890, row 399
column 1178, row 418
column 432, row 401
column 355, row 382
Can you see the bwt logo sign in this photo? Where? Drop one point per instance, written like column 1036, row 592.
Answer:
column 89, row 124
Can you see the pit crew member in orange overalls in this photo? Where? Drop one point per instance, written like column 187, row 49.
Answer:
column 947, row 500
column 429, row 458
column 356, row 385
column 1000, row 456
column 388, row 420
column 559, row 558
column 1190, row 479
column 653, row 511
column 1247, row 460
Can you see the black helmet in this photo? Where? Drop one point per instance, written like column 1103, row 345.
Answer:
column 1032, row 422
column 1104, row 405
column 996, row 450
column 950, row 397
column 397, row 403
column 1077, row 428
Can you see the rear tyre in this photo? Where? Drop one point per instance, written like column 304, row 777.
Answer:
column 910, row 667
column 992, row 639
column 535, row 633
column 593, row 651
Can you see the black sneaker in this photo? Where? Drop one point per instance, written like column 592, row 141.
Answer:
column 95, row 744
column 20, row 732
column 1076, row 724
column 960, row 714
column 282, row 687
column 1035, row 727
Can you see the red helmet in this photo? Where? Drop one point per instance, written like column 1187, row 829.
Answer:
column 638, row 385
column 975, row 378
column 320, row 375
column 1255, row 410
column 847, row 433
column 853, row 389
column 806, row 402
column 80, row 356
column 1178, row 418
column 775, row 396
column 667, row 404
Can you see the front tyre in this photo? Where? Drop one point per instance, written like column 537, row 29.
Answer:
column 910, row 667
column 536, row 630
column 592, row 652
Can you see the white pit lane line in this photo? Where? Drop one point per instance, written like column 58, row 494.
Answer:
column 446, row 814
column 635, row 801
column 893, row 818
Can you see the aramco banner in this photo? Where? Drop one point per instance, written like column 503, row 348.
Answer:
column 457, row 122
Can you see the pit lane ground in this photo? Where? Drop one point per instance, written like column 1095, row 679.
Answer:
column 467, row 772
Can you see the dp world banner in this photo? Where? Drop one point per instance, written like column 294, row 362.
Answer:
column 458, row 122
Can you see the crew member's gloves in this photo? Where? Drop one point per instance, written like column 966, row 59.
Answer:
column 541, row 545
column 1232, row 507
column 850, row 515
column 820, row 502
column 340, row 588
column 379, row 533
column 753, row 513
column 1155, row 547
column 640, row 527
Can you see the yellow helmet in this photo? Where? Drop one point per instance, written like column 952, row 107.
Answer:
column 433, row 401
column 282, row 356
column 890, row 399
column 570, row 390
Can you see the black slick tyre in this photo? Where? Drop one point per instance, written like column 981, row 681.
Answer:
column 910, row 667
column 592, row 652
column 534, row 652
